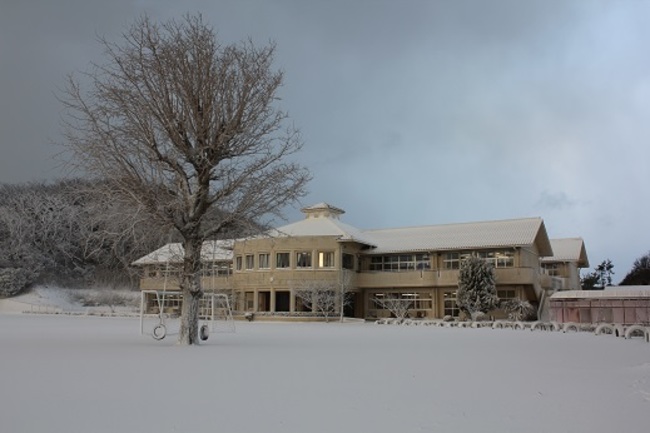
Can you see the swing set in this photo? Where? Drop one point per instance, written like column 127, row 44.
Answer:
column 215, row 313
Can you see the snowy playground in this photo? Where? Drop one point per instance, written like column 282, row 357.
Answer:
column 62, row 373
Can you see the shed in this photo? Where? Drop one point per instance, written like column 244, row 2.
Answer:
column 624, row 305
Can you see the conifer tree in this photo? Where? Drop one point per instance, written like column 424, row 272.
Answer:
column 476, row 287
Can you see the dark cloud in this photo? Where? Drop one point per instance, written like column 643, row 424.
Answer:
column 413, row 112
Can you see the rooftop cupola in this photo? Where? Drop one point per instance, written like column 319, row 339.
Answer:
column 322, row 210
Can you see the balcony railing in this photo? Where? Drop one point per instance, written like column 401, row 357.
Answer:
column 172, row 283
column 439, row 278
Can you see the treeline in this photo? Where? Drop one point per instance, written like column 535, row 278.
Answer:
column 67, row 233
column 639, row 275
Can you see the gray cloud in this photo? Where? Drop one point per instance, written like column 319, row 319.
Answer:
column 413, row 112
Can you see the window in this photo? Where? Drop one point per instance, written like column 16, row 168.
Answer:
column 506, row 294
column 264, row 261
column 348, row 261
column 303, row 259
column 450, row 307
column 238, row 263
column 453, row 260
column 551, row 269
column 400, row 262
column 223, row 268
column 249, row 301
column 422, row 261
column 216, row 269
column 421, row 301
column 325, row 259
column 250, row 261
column 171, row 271
column 282, row 260
column 499, row 259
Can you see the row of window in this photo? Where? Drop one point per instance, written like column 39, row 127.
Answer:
column 400, row 262
column 499, row 259
column 325, row 259
column 303, row 260
column 424, row 300
column 451, row 260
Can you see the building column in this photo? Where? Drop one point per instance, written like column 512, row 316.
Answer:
column 292, row 301
column 272, row 301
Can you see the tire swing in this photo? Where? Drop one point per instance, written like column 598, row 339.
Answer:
column 204, row 332
column 160, row 330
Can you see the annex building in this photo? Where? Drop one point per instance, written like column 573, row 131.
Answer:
column 420, row 264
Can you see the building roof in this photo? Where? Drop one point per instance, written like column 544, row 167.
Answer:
column 486, row 234
column 173, row 253
column 568, row 250
column 324, row 226
column 609, row 293
column 322, row 219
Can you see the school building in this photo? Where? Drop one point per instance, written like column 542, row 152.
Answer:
column 419, row 264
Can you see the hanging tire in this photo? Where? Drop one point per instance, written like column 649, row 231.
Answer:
column 159, row 332
column 204, row 332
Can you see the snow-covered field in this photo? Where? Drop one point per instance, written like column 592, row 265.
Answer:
column 96, row 374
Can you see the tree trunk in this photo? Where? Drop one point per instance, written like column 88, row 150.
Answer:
column 192, row 292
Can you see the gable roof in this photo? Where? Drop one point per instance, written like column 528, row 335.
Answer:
column 568, row 250
column 486, row 234
column 220, row 250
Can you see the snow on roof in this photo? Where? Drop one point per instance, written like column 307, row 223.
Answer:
column 220, row 250
column 617, row 288
column 568, row 250
column 322, row 219
column 487, row 234
column 324, row 226
column 610, row 292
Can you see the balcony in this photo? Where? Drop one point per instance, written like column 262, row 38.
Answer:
column 397, row 279
column 249, row 280
column 440, row 278
column 208, row 283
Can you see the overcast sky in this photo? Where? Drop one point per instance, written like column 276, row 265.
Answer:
column 412, row 112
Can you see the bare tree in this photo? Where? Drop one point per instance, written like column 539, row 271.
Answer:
column 318, row 295
column 345, row 285
column 179, row 125
column 398, row 306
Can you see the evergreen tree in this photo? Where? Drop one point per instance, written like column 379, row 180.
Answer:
column 589, row 281
column 599, row 278
column 605, row 272
column 476, row 287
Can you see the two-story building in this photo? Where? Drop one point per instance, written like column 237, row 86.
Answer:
column 419, row 264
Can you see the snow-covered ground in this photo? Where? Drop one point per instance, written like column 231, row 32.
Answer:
column 62, row 373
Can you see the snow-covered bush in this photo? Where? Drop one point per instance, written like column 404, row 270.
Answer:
column 518, row 309
column 480, row 317
column 13, row 281
column 105, row 297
